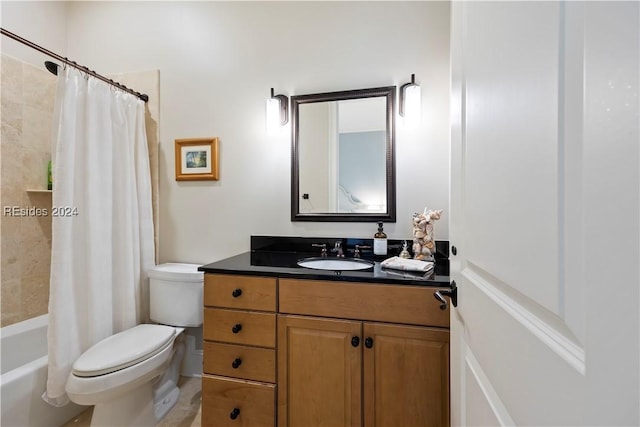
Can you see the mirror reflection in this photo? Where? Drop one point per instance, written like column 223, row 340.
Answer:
column 343, row 156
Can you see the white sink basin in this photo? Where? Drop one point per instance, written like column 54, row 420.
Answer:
column 335, row 264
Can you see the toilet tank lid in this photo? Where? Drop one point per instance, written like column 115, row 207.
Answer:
column 177, row 271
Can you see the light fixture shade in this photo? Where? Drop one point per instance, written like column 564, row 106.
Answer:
column 412, row 106
column 277, row 112
column 411, row 103
column 273, row 115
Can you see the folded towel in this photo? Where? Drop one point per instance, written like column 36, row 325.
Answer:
column 398, row 263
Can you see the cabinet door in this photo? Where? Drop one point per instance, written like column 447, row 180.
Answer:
column 319, row 372
column 406, row 376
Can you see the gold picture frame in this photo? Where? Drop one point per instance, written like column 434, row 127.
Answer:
column 197, row 159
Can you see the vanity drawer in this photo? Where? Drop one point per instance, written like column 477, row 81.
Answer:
column 253, row 402
column 243, row 292
column 240, row 327
column 414, row 305
column 238, row 361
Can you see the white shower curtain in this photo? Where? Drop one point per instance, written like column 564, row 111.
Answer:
column 102, row 238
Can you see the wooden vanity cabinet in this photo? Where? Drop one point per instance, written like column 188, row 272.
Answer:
column 239, row 364
column 335, row 353
column 351, row 370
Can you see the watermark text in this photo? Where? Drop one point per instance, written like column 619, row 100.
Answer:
column 32, row 211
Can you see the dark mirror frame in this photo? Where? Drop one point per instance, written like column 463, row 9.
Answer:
column 390, row 215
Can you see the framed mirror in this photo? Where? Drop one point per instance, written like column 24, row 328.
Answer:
column 343, row 163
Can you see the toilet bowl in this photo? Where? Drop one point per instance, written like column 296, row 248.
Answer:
column 131, row 377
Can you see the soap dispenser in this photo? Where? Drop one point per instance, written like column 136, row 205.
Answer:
column 49, row 180
column 405, row 252
column 380, row 242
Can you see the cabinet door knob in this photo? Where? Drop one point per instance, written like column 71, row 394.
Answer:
column 236, row 293
column 236, row 328
column 355, row 341
column 368, row 342
column 234, row 414
column 236, row 363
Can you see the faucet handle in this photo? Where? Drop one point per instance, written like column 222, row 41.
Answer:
column 323, row 254
column 356, row 254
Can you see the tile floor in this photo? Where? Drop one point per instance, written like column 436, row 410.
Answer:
column 186, row 413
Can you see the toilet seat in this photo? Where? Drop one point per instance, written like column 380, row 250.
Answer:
column 124, row 349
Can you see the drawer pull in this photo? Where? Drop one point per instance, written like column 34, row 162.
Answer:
column 236, row 328
column 236, row 363
column 236, row 293
column 234, row 414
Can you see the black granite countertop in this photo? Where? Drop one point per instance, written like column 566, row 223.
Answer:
column 278, row 258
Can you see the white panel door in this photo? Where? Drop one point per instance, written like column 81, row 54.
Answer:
column 545, row 213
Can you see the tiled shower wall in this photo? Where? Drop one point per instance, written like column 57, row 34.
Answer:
column 27, row 96
column 26, row 113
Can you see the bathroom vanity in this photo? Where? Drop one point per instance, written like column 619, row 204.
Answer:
column 290, row 346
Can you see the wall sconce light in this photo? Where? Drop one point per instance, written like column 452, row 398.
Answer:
column 277, row 112
column 410, row 103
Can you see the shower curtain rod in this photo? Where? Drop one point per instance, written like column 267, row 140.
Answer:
column 32, row 45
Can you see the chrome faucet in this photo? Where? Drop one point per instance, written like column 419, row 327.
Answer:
column 357, row 251
column 338, row 249
column 323, row 254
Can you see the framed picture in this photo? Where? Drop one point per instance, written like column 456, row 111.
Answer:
column 197, row 159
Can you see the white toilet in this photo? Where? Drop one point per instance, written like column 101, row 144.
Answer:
column 131, row 377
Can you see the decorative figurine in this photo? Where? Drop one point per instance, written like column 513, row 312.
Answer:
column 423, row 243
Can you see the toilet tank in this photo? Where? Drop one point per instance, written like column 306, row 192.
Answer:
column 175, row 294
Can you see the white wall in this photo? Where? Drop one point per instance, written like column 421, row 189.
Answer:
column 41, row 22
column 217, row 62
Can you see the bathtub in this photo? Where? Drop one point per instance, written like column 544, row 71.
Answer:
column 23, row 379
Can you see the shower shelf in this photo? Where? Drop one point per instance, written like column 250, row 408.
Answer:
column 39, row 191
